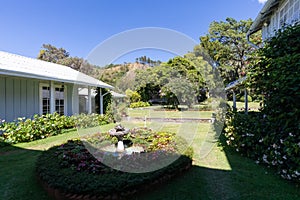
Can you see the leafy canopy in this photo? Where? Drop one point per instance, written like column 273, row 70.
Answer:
column 179, row 80
column 227, row 45
column 277, row 77
column 61, row 56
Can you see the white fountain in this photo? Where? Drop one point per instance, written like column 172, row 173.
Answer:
column 119, row 131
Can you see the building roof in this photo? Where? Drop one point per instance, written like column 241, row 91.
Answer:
column 84, row 92
column 117, row 95
column 20, row 66
column 263, row 16
column 235, row 83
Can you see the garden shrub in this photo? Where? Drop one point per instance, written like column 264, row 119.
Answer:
column 133, row 96
column 243, row 132
column 147, row 138
column 139, row 104
column 251, row 135
column 91, row 120
column 205, row 107
column 273, row 136
column 39, row 127
column 242, row 99
column 26, row 130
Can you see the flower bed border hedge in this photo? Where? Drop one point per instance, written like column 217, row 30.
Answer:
column 59, row 194
column 56, row 180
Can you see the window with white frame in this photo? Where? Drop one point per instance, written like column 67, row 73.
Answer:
column 289, row 13
column 59, row 99
column 283, row 15
column 45, row 99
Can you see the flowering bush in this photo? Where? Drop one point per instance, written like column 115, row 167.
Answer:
column 144, row 137
column 152, row 140
column 90, row 120
column 25, row 130
column 74, row 155
column 252, row 136
column 39, row 127
column 273, row 136
column 242, row 132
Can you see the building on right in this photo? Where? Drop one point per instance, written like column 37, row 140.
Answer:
column 274, row 16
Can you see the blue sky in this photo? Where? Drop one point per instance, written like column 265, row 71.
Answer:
column 79, row 26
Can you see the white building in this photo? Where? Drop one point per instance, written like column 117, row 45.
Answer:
column 84, row 99
column 30, row 86
column 274, row 15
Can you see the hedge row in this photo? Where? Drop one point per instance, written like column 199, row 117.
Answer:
column 252, row 136
column 139, row 104
column 39, row 127
column 273, row 135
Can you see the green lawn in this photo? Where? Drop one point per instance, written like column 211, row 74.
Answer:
column 168, row 114
column 241, row 105
column 222, row 174
column 152, row 112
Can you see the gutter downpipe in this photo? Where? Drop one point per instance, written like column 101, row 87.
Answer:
column 101, row 101
column 249, row 42
column 269, row 4
column 246, row 94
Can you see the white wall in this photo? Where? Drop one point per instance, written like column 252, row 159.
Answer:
column 288, row 12
column 19, row 97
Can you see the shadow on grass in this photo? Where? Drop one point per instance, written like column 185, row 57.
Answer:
column 253, row 181
column 17, row 172
column 206, row 183
column 194, row 184
column 245, row 180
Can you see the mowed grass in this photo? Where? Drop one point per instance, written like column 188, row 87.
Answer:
column 151, row 113
column 223, row 174
column 220, row 174
column 17, row 166
column 158, row 112
column 241, row 105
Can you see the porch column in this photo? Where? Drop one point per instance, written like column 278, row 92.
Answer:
column 246, row 101
column 52, row 97
column 75, row 100
column 234, row 100
column 101, row 101
column 89, row 100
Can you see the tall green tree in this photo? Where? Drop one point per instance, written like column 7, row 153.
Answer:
column 179, row 80
column 61, row 56
column 147, row 60
column 227, row 45
column 52, row 54
column 211, row 81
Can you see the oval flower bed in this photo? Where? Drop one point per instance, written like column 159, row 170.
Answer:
column 70, row 171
